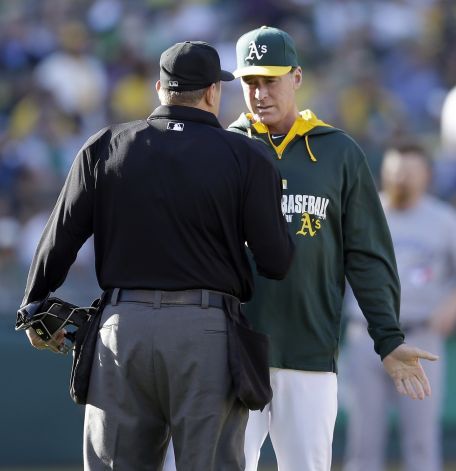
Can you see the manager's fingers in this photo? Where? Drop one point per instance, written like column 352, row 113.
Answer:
column 424, row 355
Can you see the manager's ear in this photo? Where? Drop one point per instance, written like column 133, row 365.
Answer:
column 297, row 77
column 157, row 85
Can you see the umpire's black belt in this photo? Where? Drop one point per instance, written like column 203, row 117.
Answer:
column 198, row 297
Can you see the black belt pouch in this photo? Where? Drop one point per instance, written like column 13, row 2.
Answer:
column 248, row 356
column 83, row 353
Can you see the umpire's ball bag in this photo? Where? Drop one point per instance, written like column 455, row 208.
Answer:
column 248, row 356
column 83, row 353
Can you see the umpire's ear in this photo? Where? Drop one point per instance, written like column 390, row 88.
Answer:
column 211, row 95
column 212, row 98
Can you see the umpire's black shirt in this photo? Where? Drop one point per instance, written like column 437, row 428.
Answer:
column 171, row 201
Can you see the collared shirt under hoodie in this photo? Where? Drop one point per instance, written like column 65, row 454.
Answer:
column 339, row 228
column 171, row 201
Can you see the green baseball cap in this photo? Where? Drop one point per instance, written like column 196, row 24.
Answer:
column 265, row 51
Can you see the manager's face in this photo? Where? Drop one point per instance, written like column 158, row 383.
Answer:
column 272, row 99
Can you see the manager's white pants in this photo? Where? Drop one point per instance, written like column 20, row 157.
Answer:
column 300, row 420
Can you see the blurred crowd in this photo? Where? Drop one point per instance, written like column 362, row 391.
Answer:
column 376, row 68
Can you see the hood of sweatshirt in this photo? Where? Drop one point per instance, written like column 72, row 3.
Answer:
column 306, row 124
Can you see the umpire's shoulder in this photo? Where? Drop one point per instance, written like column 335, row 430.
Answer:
column 247, row 147
column 109, row 133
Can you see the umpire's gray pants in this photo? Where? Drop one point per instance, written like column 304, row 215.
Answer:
column 157, row 373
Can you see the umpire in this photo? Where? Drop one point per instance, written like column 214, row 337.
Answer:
column 172, row 202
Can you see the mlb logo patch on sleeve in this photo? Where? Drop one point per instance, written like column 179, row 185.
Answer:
column 175, row 126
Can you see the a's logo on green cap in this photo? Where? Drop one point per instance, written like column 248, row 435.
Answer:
column 255, row 50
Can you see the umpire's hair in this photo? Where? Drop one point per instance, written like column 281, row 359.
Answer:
column 173, row 97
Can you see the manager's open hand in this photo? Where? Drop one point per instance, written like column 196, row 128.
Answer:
column 403, row 365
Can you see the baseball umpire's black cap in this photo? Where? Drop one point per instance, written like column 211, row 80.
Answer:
column 191, row 65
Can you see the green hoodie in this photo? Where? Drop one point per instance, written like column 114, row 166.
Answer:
column 333, row 210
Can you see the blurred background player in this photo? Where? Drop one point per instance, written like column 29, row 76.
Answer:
column 423, row 229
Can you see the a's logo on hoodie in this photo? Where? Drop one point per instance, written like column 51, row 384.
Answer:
column 310, row 225
column 311, row 210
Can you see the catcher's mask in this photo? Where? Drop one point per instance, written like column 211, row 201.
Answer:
column 51, row 315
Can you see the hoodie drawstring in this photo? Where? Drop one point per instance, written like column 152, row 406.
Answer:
column 312, row 157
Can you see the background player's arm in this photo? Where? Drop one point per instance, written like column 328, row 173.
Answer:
column 443, row 319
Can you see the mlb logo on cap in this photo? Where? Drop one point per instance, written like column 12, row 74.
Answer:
column 173, row 83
